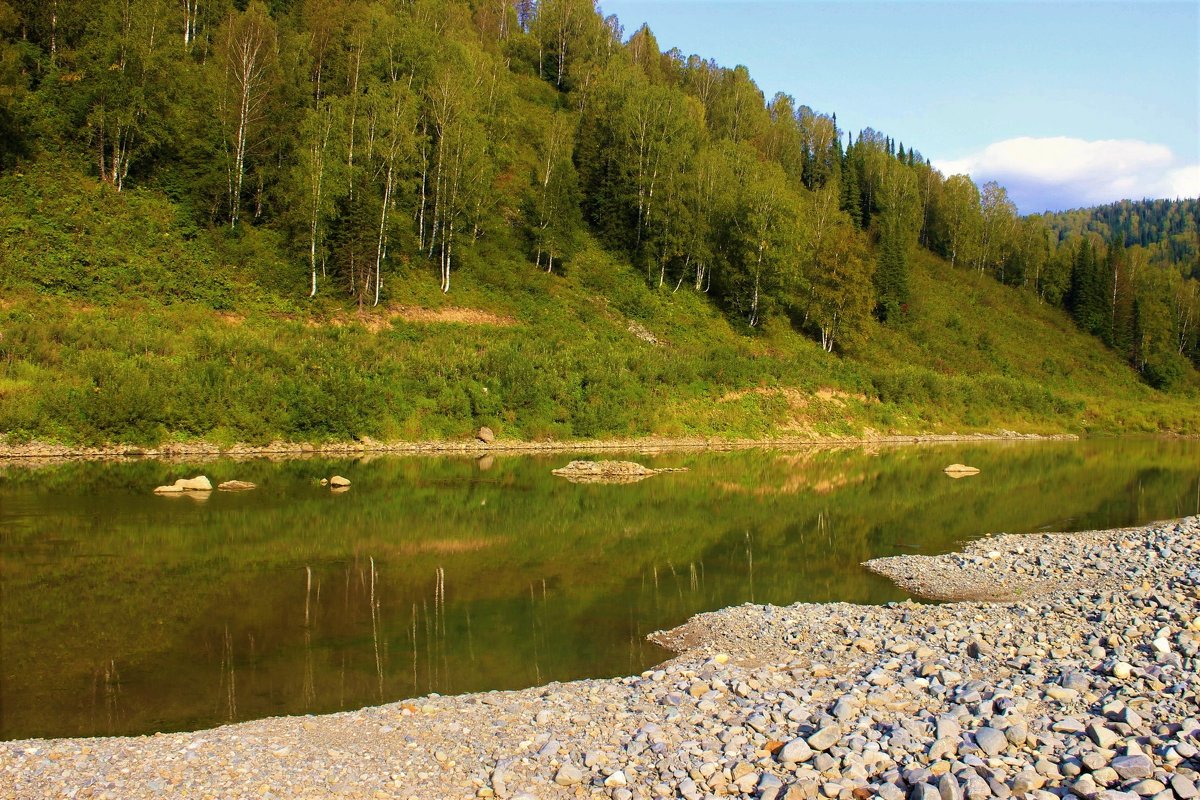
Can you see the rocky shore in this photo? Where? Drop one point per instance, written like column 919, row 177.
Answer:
column 1068, row 667
column 45, row 452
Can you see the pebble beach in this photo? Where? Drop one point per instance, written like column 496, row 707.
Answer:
column 1056, row 665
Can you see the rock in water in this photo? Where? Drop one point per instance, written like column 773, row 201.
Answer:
column 198, row 484
column 236, row 486
column 337, row 482
column 486, row 435
column 608, row 471
column 960, row 470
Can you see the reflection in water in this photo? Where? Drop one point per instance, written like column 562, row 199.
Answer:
column 453, row 575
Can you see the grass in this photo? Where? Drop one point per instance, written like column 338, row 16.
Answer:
column 123, row 323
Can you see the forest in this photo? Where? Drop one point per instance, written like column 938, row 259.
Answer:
column 345, row 151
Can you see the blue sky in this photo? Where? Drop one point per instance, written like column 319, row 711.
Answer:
column 1065, row 103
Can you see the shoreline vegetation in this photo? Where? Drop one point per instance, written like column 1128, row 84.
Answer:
column 1071, row 668
column 44, row 451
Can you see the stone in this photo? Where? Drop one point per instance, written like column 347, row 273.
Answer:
column 978, row 648
column 795, row 752
column 947, row 727
column 1017, row 734
column 486, row 435
column 825, row 738
column 976, row 788
column 236, row 486
column 1026, row 781
column 942, row 747
column 200, row 483
column 924, row 791
column 1135, row 766
column 1061, row 693
column 991, row 741
column 1077, row 681
column 1122, row 670
column 960, row 470
column 769, row 787
column 338, row 482
column 569, row 775
column 616, row 779
column 1148, row 787
column 1102, row 736
column 608, row 471
column 1084, row 787
column 1184, row 788
column 949, row 788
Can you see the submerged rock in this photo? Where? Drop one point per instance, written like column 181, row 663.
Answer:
column 960, row 470
column 608, row 471
column 338, row 482
column 236, row 486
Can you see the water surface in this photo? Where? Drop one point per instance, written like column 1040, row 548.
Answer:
column 122, row 612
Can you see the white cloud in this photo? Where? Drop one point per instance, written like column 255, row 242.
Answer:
column 1060, row 172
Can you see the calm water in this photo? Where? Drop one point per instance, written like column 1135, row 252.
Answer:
column 127, row 613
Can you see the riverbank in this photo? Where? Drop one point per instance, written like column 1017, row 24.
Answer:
column 46, row 452
column 1084, row 680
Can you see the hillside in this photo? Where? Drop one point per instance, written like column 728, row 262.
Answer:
column 121, row 324
column 329, row 221
column 1169, row 230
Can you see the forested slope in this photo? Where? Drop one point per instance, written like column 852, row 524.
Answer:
column 333, row 220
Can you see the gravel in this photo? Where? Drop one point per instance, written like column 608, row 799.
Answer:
column 1068, row 667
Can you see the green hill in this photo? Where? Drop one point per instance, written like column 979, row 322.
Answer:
column 322, row 221
column 121, row 323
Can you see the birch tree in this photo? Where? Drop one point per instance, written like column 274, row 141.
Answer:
column 247, row 46
column 392, row 120
column 320, row 178
column 842, row 292
column 552, row 206
column 459, row 163
column 998, row 218
column 959, row 219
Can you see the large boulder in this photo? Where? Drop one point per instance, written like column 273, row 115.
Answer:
column 338, row 482
column 236, row 486
column 486, row 435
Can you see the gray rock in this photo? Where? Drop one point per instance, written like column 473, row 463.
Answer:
column 569, row 775
column 976, row 788
column 949, row 789
column 1102, row 736
column 947, row 727
column 1017, row 733
column 1184, row 788
column 991, row 741
column 825, row 738
column 924, row 791
column 795, row 752
column 1136, row 766
column 1026, row 781
column 769, row 787
column 1148, row 787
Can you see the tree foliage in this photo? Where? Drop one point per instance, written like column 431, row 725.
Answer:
column 389, row 142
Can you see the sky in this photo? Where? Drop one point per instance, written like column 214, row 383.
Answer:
column 1066, row 104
